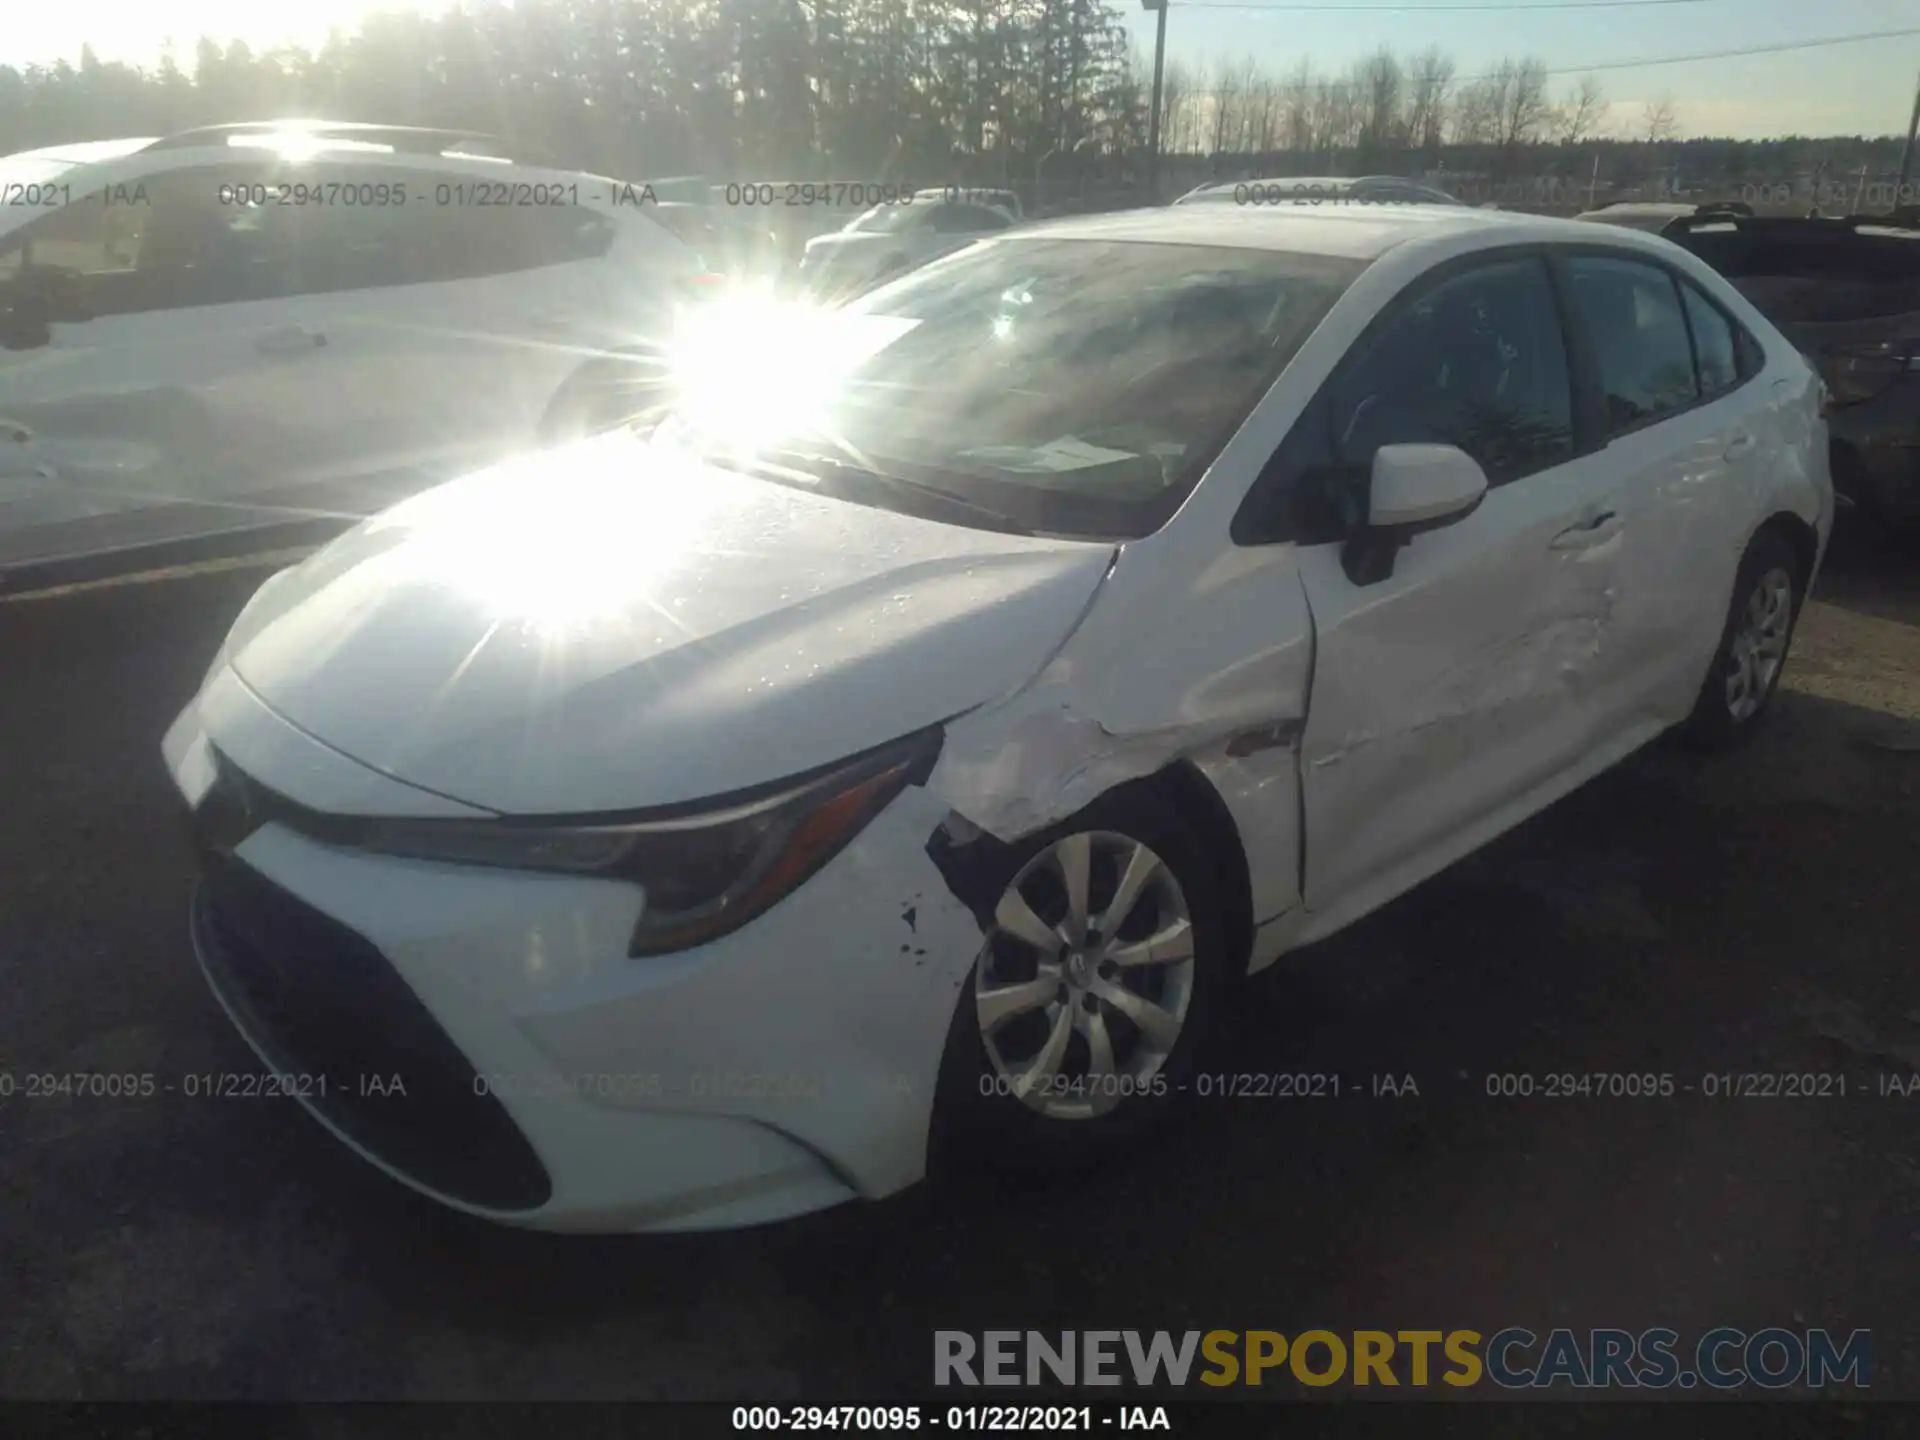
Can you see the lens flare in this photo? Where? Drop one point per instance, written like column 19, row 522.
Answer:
column 751, row 369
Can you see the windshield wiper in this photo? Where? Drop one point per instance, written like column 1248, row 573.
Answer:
column 812, row 462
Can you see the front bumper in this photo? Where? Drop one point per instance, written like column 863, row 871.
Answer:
column 483, row 1036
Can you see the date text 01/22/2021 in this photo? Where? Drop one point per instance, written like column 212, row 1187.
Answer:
column 959, row 1419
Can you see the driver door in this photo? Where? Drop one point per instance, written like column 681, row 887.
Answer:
column 1448, row 693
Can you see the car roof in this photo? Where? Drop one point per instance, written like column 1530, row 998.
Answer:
column 84, row 152
column 1358, row 232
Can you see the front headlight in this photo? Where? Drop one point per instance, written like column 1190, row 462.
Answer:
column 703, row 874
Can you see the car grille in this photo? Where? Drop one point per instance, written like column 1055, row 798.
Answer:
column 320, row 1000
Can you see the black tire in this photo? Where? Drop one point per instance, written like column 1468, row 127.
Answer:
column 976, row 1121
column 1714, row 727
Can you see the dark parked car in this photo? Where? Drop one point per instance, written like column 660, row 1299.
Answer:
column 1846, row 291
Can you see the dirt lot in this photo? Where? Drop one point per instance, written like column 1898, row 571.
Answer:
column 1756, row 914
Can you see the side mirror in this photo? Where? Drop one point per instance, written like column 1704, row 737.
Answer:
column 1413, row 489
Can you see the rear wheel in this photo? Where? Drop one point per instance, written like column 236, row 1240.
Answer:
column 1746, row 668
column 1093, row 995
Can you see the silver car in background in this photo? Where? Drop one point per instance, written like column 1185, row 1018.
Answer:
column 890, row 240
column 1318, row 189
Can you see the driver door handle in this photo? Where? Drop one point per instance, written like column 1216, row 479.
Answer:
column 1598, row 528
column 1739, row 446
column 290, row 340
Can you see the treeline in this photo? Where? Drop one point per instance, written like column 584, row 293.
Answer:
column 928, row 90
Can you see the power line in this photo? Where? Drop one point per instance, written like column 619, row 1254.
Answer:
column 1401, row 9
column 1818, row 42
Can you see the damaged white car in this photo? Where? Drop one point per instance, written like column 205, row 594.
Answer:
column 918, row 736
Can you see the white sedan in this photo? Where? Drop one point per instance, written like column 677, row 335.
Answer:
column 891, row 239
column 914, row 741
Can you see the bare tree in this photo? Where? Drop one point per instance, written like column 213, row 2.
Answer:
column 1428, row 92
column 1226, row 104
column 1378, row 85
column 1476, row 114
column 1339, row 123
column 1299, row 129
column 1176, row 87
column 1524, row 110
column 1266, row 112
column 1658, row 121
column 1582, row 112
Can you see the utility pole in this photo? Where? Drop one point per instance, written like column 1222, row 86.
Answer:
column 1153, row 117
column 1906, row 157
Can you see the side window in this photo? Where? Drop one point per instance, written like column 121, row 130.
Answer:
column 967, row 219
column 1749, row 351
column 99, row 233
column 1632, row 312
column 419, row 227
column 1714, row 350
column 181, row 238
column 1478, row 361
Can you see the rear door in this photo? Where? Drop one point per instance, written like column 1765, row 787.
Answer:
column 451, row 321
column 1683, row 430
column 1448, row 694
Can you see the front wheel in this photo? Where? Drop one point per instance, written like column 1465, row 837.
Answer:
column 1746, row 668
column 1093, row 994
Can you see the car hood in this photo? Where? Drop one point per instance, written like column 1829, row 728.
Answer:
column 617, row 626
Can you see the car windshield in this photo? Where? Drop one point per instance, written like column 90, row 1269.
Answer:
column 1065, row 386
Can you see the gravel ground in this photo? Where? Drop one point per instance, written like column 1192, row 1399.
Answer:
column 1752, row 914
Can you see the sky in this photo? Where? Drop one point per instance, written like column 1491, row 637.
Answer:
column 1862, row 88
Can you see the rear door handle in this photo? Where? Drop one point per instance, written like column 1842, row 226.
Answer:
column 292, row 340
column 1596, row 529
column 1738, row 446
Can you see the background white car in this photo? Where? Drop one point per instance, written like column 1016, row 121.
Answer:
column 247, row 323
column 917, row 737
column 889, row 240
column 999, row 199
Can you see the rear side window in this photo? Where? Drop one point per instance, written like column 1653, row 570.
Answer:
column 1633, row 314
column 446, row 229
column 966, row 219
column 1716, row 353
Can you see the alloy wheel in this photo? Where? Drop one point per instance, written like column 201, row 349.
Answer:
column 1759, row 645
column 1087, row 975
